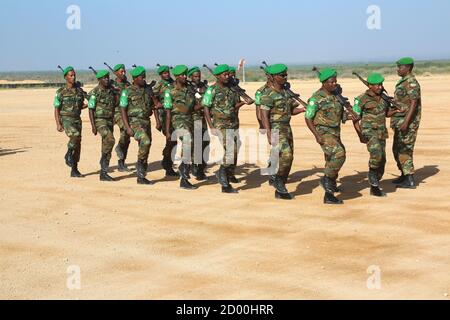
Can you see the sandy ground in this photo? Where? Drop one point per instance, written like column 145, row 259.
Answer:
column 160, row 242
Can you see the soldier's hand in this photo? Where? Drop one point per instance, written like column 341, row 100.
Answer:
column 214, row 132
column 158, row 126
column 320, row 140
column 363, row 140
column 130, row 132
column 269, row 137
column 94, row 131
column 404, row 127
column 168, row 136
column 60, row 128
column 158, row 105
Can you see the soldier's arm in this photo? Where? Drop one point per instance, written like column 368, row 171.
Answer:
column 266, row 103
column 57, row 113
column 207, row 103
column 168, row 105
column 357, row 109
column 123, row 112
column 311, row 111
column 91, row 105
column 413, row 91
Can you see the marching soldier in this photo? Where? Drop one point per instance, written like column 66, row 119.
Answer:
column 120, row 84
column 406, row 123
column 198, row 170
column 68, row 103
column 221, row 106
column 372, row 130
column 166, row 82
column 277, row 107
column 261, row 91
column 323, row 117
column 102, row 104
column 136, row 109
column 180, row 102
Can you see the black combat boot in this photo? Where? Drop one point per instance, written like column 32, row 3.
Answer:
column 184, row 177
column 281, row 191
column 408, row 182
column 327, row 184
column 74, row 173
column 399, row 180
column 201, row 176
column 231, row 177
column 374, row 182
column 104, row 165
column 334, row 186
column 141, row 168
column 169, row 170
column 122, row 155
column 195, row 169
column 224, row 182
column 377, row 192
column 69, row 157
column 329, row 198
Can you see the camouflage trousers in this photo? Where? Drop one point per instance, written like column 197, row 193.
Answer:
column 200, row 124
column 105, row 128
column 403, row 148
column 377, row 151
column 143, row 135
column 73, row 127
column 333, row 150
column 183, row 127
column 229, row 138
column 170, row 145
column 124, row 140
column 284, row 148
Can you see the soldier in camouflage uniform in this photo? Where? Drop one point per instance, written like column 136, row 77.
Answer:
column 277, row 107
column 372, row 130
column 102, row 103
column 198, row 169
column 406, row 123
column 68, row 103
column 323, row 117
column 221, row 104
column 180, row 101
column 136, row 109
column 166, row 82
column 261, row 91
column 121, row 83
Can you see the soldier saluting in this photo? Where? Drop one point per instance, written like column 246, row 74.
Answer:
column 68, row 103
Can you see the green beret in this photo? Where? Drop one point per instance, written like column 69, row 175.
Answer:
column 162, row 69
column 101, row 73
column 119, row 66
column 67, row 70
column 326, row 74
column 180, row 69
column 405, row 61
column 232, row 69
column 277, row 69
column 193, row 70
column 375, row 78
column 221, row 68
column 136, row 72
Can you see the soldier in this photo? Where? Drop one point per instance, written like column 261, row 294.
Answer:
column 68, row 103
column 372, row 130
column 323, row 117
column 198, row 170
column 277, row 107
column 261, row 91
column 166, row 82
column 406, row 123
column 180, row 101
column 222, row 104
column 120, row 84
column 102, row 103
column 136, row 110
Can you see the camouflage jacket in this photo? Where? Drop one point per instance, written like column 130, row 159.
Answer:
column 259, row 93
column 199, row 115
column 70, row 101
column 160, row 88
column 103, row 102
column 373, row 114
column 324, row 109
column 222, row 105
column 407, row 90
column 119, row 86
column 137, row 102
column 179, row 101
column 279, row 104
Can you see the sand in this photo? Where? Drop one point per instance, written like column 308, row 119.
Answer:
column 160, row 242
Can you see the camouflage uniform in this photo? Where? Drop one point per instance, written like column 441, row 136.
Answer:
column 103, row 102
column 139, row 109
column 406, row 90
column 279, row 105
column 158, row 90
column 199, row 118
column 372, row 110
column 70, row 102
column 258, row 94
column 326, row 115
column 221, row 103
column 124, row 140
column 181, row 104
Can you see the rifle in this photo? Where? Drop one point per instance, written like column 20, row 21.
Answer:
column 78, row 84
column 287, row 87
column 343, row 101
column 384, row 95
column 233, row 84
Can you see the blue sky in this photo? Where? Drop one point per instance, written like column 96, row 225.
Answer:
column 34, row 35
